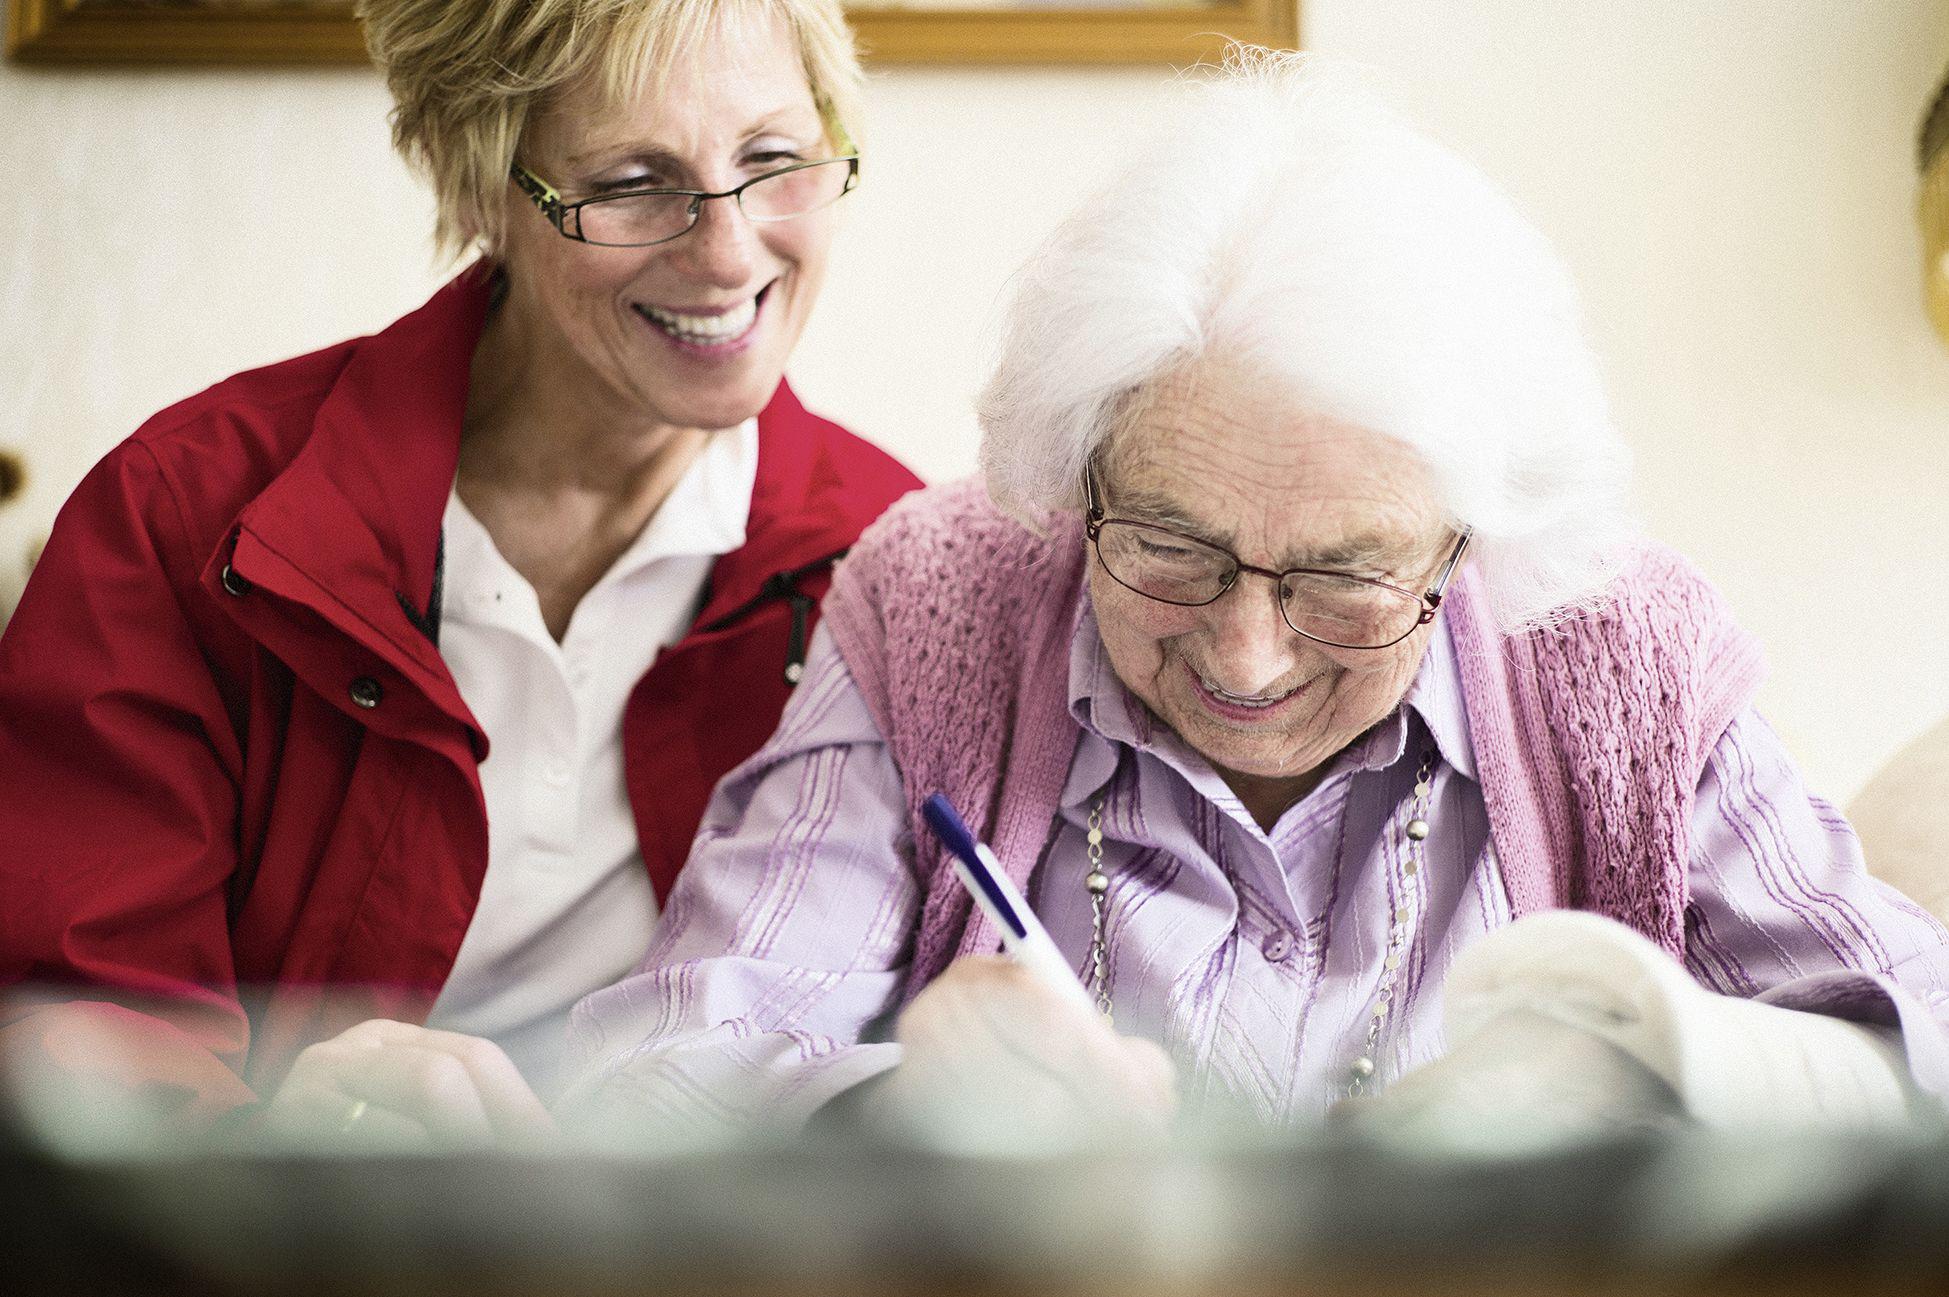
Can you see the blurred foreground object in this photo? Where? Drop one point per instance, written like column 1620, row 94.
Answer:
column 1934, row 209
column 1899, row 816
column 1566, row 1027
column 1685, row 1215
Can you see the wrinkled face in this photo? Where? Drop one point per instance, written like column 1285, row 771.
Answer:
column 1226, row 457
column 693, row 332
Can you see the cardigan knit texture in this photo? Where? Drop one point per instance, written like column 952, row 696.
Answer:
column 1589, row 737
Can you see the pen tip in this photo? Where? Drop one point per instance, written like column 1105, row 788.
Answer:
column 942, row 818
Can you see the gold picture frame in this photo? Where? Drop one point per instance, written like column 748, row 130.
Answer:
column 931, row 31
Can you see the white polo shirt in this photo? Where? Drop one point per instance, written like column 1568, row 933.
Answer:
column 567, row 905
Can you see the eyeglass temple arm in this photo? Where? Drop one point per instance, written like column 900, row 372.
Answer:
column 539, row 190
column 1434, row 596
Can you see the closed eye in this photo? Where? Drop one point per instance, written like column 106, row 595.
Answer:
column 630, row 185
column 1168, row 551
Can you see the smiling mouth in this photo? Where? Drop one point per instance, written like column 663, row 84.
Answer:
column 1248, row 702
column 712, row 329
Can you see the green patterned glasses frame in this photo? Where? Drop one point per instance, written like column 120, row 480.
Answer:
column 639, row 218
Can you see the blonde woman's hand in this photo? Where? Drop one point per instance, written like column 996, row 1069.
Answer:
column 390, row 1086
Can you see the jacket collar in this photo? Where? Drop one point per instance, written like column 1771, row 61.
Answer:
column 350, row 529
column 377, row 467
column 352, row 526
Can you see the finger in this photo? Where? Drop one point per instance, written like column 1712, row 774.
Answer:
column 989, row 1028
column 1035, row 1015
column 429, row 1086
column 1154, row 1076
column 317, row 1113
column 374, row 1032
column 987, row 1012
column 512, row 1109
column 1062, row 1045
column 377, row 1130
column 309, row 1100
column 386, row 1065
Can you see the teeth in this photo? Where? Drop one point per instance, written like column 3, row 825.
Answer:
column 1239, row 700
column 704, row 328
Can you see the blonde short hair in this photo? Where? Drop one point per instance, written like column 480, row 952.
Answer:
column 468, row 75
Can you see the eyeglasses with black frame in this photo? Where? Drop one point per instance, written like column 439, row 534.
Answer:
column 642, row 218
column 1333, row 608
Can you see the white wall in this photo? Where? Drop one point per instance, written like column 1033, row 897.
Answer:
column 1731, row 179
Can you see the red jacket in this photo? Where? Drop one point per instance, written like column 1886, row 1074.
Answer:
column 231, row 755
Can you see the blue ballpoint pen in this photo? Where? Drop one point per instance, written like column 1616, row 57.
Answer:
column 1023, row 936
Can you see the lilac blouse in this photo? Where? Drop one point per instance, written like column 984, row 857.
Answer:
column 1256, row 958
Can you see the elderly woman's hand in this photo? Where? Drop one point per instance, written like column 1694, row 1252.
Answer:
column 388, row 1086
column 994, row 1059
column 1522, row 1083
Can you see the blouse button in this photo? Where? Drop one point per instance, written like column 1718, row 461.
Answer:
column 366, row 692
column 1278, row 947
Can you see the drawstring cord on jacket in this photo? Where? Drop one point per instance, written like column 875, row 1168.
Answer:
column 785, row 585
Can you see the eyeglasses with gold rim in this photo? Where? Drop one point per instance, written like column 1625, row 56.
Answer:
column 642, row 218
column 1335, row 608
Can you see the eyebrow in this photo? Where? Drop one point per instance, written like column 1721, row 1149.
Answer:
column 1159, row 510
column 610, row 154
column 1359, row 552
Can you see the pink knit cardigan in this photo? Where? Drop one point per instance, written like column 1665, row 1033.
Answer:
column 1589, row 740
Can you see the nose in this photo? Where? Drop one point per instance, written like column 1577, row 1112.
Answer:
column 1252, row 647
column 721, row 248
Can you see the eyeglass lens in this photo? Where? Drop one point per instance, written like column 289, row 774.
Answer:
column 630, row 220
column 1340, row 610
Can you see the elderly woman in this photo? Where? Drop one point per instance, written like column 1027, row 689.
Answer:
column 1294, row 652
column 386, row 686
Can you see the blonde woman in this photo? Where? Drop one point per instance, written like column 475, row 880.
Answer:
column 363, row 707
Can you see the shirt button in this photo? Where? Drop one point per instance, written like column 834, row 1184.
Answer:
column 367, row 692
column 556, row 772
column 1278, row 947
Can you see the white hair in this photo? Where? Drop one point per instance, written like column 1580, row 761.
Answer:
column 1291, row 218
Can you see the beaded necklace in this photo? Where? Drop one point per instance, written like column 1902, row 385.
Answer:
column 1400, row 932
